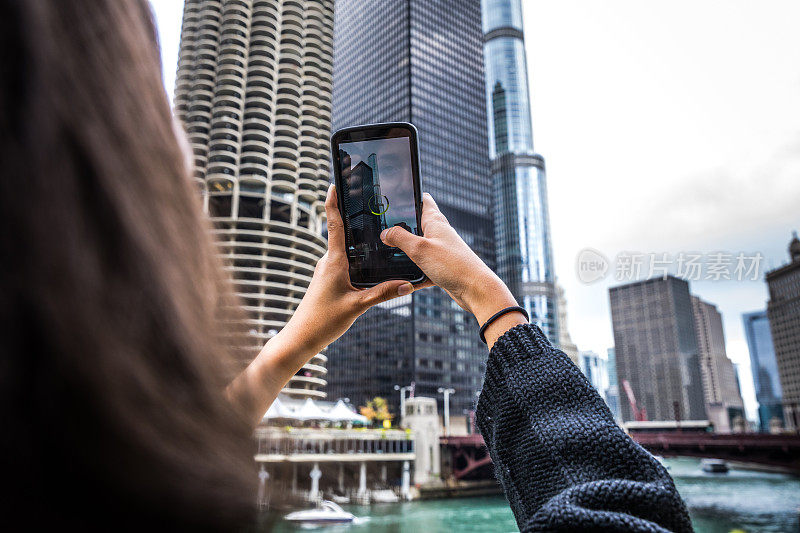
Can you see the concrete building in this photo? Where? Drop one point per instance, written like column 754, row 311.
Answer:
column 417, row 68
column 422, row 419
column 724, row 405
column 783, row 310
column 253, row 91
column 765, row 371
column 565, row 343
column 521, row 217
column 656, row 348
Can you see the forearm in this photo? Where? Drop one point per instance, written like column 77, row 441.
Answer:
column 562, row 460
column 254, row 390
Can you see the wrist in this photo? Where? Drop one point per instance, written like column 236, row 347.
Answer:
column 500, row 326
column 488, row 296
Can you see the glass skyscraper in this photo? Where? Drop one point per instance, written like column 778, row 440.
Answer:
column 764, row 368
column 522, row 225
column 612, row 394
column 399, row 61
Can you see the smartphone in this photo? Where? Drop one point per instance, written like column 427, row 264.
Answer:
column 376, row 168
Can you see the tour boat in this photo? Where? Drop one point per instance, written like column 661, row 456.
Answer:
column 327, row 513
column 714, row 466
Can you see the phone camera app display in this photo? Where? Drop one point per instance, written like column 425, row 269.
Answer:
column 378, row 193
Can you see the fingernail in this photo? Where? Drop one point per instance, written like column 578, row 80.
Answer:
column 383, row 234
column 405, row 288
column 330, row 188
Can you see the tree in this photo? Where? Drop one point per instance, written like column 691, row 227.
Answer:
column 377, row 410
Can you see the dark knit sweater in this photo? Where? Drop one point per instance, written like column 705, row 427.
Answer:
column 562, row 461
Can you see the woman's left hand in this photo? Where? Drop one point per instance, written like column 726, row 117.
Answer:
column 330, row 306
column 331, row 303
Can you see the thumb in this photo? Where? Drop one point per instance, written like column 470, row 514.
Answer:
column 401, row 238
column 386, row 291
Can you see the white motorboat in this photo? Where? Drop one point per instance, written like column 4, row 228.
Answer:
column 340, row 499
column 327, row 513
column 714, row 466
column 384, row 496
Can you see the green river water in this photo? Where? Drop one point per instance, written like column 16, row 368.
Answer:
column 719, row 503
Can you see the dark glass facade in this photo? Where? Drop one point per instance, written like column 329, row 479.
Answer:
column 398, row 61
column 522, row 225
column 764, row 368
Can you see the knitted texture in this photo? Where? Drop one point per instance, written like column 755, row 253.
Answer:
column 563, row 462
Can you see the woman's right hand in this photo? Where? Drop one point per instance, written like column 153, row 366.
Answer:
column 450, row 263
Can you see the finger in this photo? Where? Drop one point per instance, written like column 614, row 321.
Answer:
column 401, row 238
column 335, row 224
column 386, row 291
column 428, row 202
column 430, row 211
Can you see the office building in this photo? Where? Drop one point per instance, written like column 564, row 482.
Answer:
column 595, row 368
column 522, row 224
column 656, row 348
column 783, row 310
column 253, row 91
column 417, row 69
column 564, row 339
column 724, row 405
column 612, row 393
column 765, row 371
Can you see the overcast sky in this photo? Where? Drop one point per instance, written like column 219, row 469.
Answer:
column 666, row 127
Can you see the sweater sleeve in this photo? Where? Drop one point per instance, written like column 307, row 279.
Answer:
column 563, row 462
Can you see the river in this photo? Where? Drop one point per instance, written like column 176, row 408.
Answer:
column 719, row 503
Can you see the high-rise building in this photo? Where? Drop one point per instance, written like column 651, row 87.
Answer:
column 765, row 371
column 522, row 223
column 253, row 91
column 595, row 368
column 612, row 394
column 656, row 348
column 783, row 310
column 724, row 405
column 565, row 340
column 417, row 69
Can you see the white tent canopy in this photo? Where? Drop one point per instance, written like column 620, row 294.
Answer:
column 311, row 411
column 278, row 410
column 341, row 413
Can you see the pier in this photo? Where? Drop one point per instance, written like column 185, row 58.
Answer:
column 357, row 465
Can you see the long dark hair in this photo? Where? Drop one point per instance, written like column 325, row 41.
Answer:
column 113, row 370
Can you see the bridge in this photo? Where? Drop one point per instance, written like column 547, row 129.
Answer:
column 466, row 458
column 781, row 451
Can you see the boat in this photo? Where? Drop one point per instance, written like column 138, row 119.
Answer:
column 327, row 513
column 714, row 466
column 340, row 499
column 384, row 496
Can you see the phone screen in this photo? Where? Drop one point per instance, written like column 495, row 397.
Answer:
column 377, row 181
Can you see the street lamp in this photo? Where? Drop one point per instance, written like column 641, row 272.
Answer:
column 402, row 399
column 447, row 393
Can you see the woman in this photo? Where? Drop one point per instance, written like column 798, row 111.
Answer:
column 116, row 410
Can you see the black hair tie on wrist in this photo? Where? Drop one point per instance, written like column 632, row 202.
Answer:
column 498, row 315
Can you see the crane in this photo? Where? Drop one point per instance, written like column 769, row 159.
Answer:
column 639, row 414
